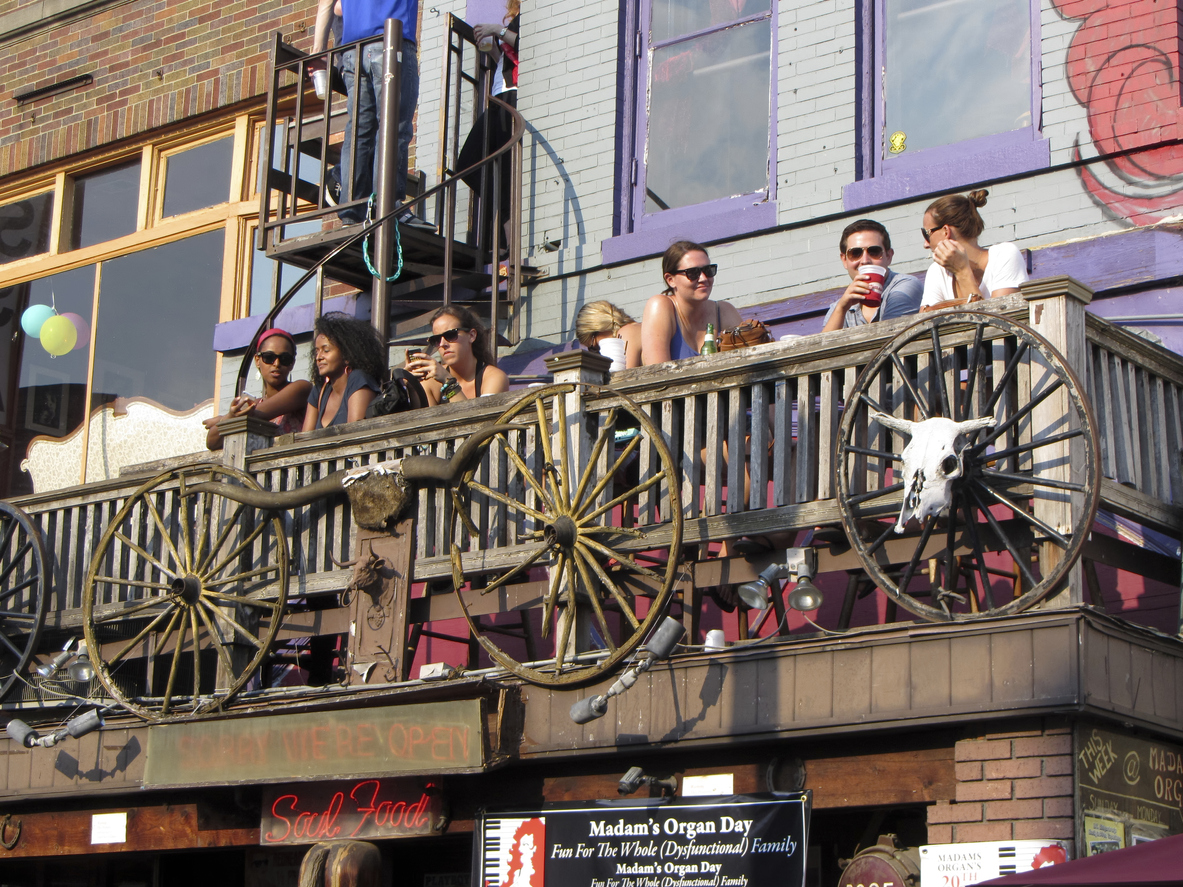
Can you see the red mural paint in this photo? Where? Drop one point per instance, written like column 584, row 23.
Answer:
column 1123, row 67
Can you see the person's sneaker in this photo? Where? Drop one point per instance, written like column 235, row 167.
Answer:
column 332, row 188
column 409, row 219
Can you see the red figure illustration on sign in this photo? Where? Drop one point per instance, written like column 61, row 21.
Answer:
column 1052, row 854
column 1123, row 66
column 527, row 857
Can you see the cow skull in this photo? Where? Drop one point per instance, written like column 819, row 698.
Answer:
column 933, row 459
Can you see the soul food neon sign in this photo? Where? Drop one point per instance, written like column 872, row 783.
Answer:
column 368, row 808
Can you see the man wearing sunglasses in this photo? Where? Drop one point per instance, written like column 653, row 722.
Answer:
column 864, row 243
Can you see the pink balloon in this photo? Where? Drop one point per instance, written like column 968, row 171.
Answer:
column 83, row 328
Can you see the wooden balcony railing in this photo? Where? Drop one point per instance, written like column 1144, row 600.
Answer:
column 702, row 407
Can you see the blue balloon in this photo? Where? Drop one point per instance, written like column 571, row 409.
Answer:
column 34, row 317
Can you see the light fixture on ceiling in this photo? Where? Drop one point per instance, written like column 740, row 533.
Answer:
column 801, row 564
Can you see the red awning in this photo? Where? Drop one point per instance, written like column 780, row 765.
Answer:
column 1155, row 862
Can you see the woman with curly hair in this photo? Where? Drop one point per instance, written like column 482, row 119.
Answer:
column 348, row 359
column 467, row 367
column 961, row 270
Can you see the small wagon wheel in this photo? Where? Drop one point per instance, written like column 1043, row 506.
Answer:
column 1027, row 494
column 185, row 595
column 572, row 524
column 24, row 592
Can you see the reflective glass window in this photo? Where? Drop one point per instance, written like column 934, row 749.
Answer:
column 105, row 205
column 50, row 399
column 955, row 70
column 157, row 310
column 707, row 131
column 24, row 227
column 198, row 178
column 270, row 279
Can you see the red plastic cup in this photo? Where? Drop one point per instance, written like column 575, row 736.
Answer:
column 874, row 276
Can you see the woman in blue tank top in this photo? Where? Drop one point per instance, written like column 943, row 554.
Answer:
column 675, row 321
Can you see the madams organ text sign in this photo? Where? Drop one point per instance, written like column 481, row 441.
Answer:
column 740, row 841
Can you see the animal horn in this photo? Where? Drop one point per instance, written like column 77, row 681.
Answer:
column 445, row 471
column 296, row 498
column 904, row 426
column 978, row 424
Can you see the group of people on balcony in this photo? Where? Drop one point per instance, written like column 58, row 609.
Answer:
column 348, row 362
column 675, row 321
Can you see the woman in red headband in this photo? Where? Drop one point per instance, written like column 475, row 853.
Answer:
column 284, row 402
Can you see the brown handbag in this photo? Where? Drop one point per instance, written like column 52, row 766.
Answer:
column 750, row 332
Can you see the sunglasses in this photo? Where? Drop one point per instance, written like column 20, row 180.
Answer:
column 856, row 252
column 449, row 336
column 692, row 274
column 285, row 358
column 927, row 232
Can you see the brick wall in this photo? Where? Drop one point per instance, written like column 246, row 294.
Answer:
column 154, row 62
column 1010, row 786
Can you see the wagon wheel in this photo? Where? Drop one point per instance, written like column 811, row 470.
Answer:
column 185, row 595
column 570, row 531
column 1029, row 485
column 24, row 592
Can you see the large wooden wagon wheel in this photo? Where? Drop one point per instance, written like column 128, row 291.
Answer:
column 566, row 535
column 185, row 595
column 1024, row 502
column 24, row 592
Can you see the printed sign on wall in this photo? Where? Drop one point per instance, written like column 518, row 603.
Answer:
column 733, row 842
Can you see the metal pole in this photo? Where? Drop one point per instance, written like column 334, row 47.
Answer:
column 392, row 57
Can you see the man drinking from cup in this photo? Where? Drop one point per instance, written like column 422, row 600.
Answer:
column 875, row 292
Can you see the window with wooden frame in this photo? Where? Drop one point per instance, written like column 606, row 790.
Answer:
column 143, row 249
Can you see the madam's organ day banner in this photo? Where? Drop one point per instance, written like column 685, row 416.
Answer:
column 717, row 842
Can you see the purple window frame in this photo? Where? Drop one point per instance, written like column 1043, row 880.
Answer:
column 945, row 167
column 637, row 235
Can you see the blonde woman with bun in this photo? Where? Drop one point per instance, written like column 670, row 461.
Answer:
column 961, row 270
column 601, row 320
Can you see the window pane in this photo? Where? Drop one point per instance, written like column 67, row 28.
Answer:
column 198, row 178
column 674, row 17
column 105, row 205
column 157, row 310
column 263, row 271
column 988, row 44
column 51, row 396
column 24, row 227
column 708, row 118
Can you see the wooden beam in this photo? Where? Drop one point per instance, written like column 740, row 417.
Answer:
column 166, row 827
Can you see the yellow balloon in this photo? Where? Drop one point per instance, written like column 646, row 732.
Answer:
column 58, row 335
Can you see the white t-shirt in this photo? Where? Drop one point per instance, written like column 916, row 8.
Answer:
column 1005, row 268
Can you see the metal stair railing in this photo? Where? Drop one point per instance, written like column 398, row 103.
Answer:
column 284, row 187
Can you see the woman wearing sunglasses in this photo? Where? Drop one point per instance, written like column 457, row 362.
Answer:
column 675, row 321
column 467, row 367
column 348, row 359
column 962, row 271
column 283, row 401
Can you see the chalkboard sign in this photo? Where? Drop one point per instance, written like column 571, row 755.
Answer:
column 1128, row 789
column 717, row 842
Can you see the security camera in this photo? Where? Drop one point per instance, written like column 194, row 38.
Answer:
column 632, row 780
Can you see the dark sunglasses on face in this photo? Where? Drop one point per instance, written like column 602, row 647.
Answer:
column 449, row 336
column 692, row 274
column 285, row 358
column 856, row 252
column 927, row 232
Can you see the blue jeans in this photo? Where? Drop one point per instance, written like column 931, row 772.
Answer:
column 364, row 164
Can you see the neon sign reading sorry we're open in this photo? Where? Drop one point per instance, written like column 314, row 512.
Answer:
column 368, row 808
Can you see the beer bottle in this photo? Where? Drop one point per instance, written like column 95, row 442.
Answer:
column 708, row 341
